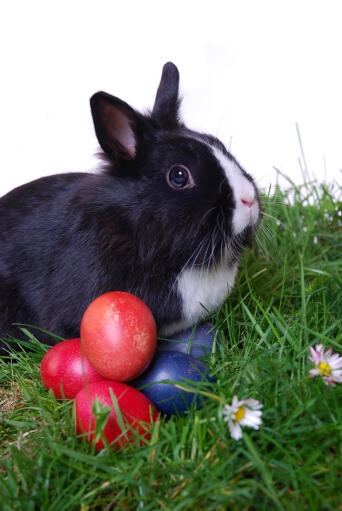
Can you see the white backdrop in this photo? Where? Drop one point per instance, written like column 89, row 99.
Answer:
column 250, row 70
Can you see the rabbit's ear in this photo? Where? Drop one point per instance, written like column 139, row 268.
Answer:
column 167, row 102
column 115, row 125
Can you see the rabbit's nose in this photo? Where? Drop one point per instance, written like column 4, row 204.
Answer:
column 247, row 201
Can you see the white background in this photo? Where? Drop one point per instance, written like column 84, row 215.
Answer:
column 250, row 70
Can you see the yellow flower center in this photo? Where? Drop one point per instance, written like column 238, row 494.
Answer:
column 239, row 415
column 324, row 369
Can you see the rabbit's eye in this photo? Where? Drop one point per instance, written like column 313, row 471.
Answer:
column 179, row 177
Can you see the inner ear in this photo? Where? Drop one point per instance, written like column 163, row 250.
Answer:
column 115, row 125
column 118, row 129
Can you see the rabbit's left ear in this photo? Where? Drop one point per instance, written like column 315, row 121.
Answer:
column 116, row 125
column 166, row 106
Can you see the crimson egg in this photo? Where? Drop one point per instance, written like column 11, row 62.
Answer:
column 134, row 411
column 66, row 366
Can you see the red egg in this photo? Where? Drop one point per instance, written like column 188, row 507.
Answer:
column 119, row 334
column 137, row 413
column 64, row 365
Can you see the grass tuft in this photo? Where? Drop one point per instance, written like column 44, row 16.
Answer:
column 288, row 297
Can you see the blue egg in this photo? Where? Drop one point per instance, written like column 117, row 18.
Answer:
column 178, row 367
column 197, row 342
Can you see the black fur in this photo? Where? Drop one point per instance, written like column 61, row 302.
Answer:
column 68, row 238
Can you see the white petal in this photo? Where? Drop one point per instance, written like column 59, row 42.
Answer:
column 235, row 430
column 236, row 403
column 313, row 358
column 251, row 423
column 334, row 356
column 319, row 352
column 336, row 363
column 256, row 414
column 251, row 419
column 253, row 404
column 254, row 426
column 227, row 412
column 329, row 381
column 314, row 372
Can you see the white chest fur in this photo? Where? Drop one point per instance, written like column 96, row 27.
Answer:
column 201, row 292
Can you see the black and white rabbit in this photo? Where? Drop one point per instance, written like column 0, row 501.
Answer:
column 167, row 219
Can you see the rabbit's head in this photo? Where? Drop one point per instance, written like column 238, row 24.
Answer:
column 186, row 199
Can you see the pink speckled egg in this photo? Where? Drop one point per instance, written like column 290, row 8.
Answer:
column 119, row 335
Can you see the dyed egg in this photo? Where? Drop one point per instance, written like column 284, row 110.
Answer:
column 180, row 368
column 119, row 335
column 197, row 342
column 65, row 366
column 136, row 412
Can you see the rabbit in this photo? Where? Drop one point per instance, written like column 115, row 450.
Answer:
column 166, row 218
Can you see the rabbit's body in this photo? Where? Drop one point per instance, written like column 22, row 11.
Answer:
column 167, row 220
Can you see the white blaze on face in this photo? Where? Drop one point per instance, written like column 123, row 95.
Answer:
column 204, row 289
column 246, row 211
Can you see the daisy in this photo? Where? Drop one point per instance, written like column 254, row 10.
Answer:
column 242, row 413
column 327, row 364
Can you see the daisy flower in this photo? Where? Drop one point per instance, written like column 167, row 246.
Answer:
column 242, row 413
column 327, row 364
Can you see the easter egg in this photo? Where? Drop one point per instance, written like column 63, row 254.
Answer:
column 180, row 368
column 197, row 341
column 65, row 366
column 134, row 412
column 119, row 335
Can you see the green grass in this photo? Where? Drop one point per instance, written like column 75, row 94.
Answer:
column 288, row 297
